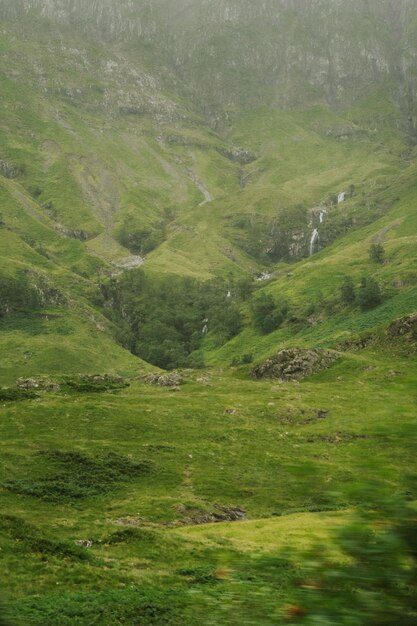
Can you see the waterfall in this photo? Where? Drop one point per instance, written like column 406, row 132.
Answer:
column 341, row 197
column 322, row 214
column 314, row 239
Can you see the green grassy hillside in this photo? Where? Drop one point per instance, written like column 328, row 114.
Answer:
column 210, row 151
column 217, row 445
column 97, row 177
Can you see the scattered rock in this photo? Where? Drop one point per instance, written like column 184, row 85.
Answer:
column 230, row 411
column 8, row 170
column 129, row 263
column 295, row 364
column 85, row 543
column 222, row 514
column 238, row 155
column 404, row 326
column 81, row 235
column 229, row 514
column 164, row 380
column 354, row 345
column 43, row 384
column 203, row 380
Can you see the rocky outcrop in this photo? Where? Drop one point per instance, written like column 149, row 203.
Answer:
column 221, row 514
column 357, row 344
column 42, row 384
column 47, row 294
column 164, row 380
column 238, row 155
column 84, row 543
column 8, row 170
column 295, row 364
column 405, row 326
column 81, row 235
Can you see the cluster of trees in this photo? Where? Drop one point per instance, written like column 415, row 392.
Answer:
column 141, row 240
column 272, row 240
column 164, row 320
column 367, row 296
column 267, row 313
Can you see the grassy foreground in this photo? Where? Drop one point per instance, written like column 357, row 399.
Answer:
column 137, row 471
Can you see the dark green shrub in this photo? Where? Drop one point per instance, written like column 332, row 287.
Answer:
column 267, row 314
column 144, row 606
column 35, row 541
column 89, row 386
column 199, row 575
column 79, row 476
column 14, row 395
column 242, row 360
column 347, row 291
column 369, row 294
column 377, row 253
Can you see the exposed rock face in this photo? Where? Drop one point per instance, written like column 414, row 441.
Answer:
column 81, row 235
column 295, row 364
column 47, row 294
column 404, row 326
column 130, row 262
column 238, row 155
column 287, row 52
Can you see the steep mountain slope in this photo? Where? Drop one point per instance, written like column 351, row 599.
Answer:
column 128, row 134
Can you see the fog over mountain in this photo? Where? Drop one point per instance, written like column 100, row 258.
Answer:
column 225, row 53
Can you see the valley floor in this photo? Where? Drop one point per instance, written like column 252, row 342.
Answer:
column 105, row 495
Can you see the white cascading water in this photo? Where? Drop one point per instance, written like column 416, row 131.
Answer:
column 322, row 214
column 341, row 197
column 314, row 239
